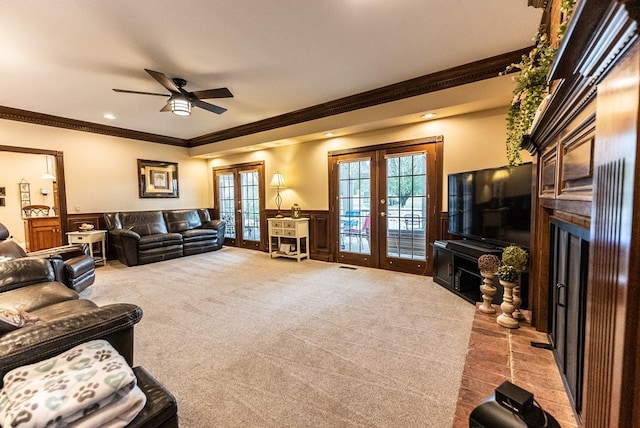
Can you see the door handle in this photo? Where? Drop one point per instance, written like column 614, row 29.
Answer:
column 559, row 286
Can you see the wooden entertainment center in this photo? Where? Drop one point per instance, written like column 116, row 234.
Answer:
column 455, row 267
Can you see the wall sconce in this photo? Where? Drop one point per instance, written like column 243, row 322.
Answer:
column 180, row 105
column 277, row 182
column 47, row 175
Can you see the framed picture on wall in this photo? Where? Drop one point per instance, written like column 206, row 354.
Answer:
column 157, row 179
column 3, row 191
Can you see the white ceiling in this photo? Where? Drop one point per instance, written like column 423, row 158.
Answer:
column 64, row 57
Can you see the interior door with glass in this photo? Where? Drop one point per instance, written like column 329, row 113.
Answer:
column 239, row 193
column 385, row 207
column 356, row 192
column 404, row 208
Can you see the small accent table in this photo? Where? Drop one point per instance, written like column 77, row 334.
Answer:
column 90, row 237
column 286, row 227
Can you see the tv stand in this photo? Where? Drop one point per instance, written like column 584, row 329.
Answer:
column 455, row 267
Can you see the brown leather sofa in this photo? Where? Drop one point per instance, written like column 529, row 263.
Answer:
column 64, row 320
column 61, row 320
column 72, row 264
column 141, row 237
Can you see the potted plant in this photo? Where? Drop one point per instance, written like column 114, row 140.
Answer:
column 532, row 85
column 517, row 257
column 514, row 261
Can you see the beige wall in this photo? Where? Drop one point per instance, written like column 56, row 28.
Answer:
column 471, row 141
column 101, row 171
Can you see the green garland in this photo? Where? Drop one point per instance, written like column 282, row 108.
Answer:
column 531, row 86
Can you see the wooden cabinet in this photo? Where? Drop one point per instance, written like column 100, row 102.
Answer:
column 442, row 265
column 568, row 282
column 42, row 233
column 289, row 232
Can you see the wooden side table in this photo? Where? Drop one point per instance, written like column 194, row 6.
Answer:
column 90, row 237
column 286, row 227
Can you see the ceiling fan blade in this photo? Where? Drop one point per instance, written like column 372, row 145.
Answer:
column 167, row 107
column 163, row 80
column 213, row 93
column 141, row 93
column 210, row 107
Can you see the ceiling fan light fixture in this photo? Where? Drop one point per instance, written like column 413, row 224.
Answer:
column 180, row 106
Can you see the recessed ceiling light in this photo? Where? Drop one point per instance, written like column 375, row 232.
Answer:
column 428, row 116
column 329, row 134
column 109, row 116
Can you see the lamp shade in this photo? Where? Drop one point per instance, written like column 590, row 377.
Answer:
column 277, row 180
column 47, row 175
column 180, row 105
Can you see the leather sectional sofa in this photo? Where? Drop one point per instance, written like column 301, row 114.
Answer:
column 56, row 319
column 72, row 264
column 64, row 320
column 141, row 237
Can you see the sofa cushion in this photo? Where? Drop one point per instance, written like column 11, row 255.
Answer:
column 159, row 240
column 199, row 235
column 144, row 222
column 11, row 249
column 181, row 220
column 35, row 296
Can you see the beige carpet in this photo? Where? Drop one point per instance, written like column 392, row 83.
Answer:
column 246, row 341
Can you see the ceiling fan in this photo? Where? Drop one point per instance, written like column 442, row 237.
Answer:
column 181, row 100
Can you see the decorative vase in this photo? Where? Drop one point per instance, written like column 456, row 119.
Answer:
column 506, row 318
column 295, row 211
column 488, row 291
column 517, row 302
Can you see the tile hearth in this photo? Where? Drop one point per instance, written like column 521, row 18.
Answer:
column 497, row 354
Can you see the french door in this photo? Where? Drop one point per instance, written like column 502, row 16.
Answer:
column 239, row 196
column 384, row 205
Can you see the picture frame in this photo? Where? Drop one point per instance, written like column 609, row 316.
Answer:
column 157, row 179
column 3, row 191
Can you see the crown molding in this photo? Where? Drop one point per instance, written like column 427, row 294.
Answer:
column 456, row 76
column 35, row 118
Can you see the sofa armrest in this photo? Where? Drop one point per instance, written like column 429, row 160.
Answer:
column 18, row 273
column 125, row 242
column 214, row 224
column 124, row 234
column 49, row 338
column 220, row 226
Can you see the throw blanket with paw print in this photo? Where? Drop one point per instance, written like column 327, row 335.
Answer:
column 90, row 385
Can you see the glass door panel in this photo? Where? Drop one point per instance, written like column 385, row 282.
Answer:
column 239, row 193
column 227, row 203
column 406, row 184
column 250, row 205
column 354, row 178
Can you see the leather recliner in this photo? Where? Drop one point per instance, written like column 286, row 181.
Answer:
column 64, row 320
column 72, row 265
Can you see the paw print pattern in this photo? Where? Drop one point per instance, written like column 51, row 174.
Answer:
column 74, row 354
column 52, row 423
column 91, row 409
column 24, row 416
column 17, row 377
column 55, row 385
column 86, row 392
column 23, row 396
column 102, row 355
column 54, row 373
column 112, row 365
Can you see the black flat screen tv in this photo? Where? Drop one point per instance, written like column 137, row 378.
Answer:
column 492, row 205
